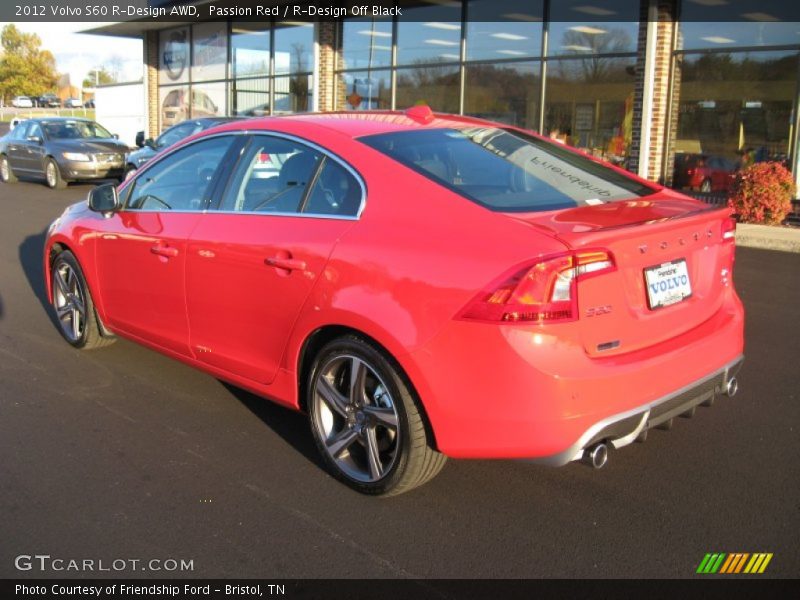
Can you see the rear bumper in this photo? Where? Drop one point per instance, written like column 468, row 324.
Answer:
column 623, row 429
column 533, row 393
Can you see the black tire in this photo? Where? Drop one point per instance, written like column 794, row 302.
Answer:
column 6, row 174
column 87, row 334
column 412, row 460
column 52, row 175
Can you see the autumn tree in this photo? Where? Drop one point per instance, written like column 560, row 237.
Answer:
column 25, row 69
column 98, row 77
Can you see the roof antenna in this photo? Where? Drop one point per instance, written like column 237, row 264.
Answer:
column 421, row 113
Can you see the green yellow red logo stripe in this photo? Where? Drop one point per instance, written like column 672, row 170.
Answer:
column 734, row 563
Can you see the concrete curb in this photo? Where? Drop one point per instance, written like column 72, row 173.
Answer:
column 785, row 239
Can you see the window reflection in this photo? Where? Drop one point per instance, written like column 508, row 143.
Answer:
column 433, row 36
column 589, row 104
column 503, row 29
column 732, row 109
column 294, row 48
column 364, row 90
column 579, row 27
column 508, row 93
column 250, row 49
column 438, row 87
column 365, row 44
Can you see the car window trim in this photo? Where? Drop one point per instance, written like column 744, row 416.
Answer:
column 209, row 208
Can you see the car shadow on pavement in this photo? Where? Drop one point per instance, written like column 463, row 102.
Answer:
column 290, row 425
column 31, row 258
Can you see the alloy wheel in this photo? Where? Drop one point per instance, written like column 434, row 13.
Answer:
column 356, row 417
column 4, row 170
column 51, row 174
column 69, row 302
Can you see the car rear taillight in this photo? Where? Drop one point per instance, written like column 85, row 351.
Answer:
column 541, row 292
column 729, row 230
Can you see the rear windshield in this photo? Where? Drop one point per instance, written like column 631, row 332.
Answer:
column 506, row 170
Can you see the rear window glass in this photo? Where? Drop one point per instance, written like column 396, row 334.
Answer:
column 505, row 170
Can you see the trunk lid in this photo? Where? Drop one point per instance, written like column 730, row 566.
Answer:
column 614, row 307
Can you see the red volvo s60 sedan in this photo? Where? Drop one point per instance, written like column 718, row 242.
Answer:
column 421, row 285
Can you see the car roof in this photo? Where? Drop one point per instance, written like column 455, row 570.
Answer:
column 368, row 122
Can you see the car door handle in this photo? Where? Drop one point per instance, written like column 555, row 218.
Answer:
column 167, row 251
column 288, row 264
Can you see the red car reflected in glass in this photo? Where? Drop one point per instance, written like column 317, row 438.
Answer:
column 704, row 173
column 420, row 285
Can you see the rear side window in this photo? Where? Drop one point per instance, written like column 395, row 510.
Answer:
column 280, row 176
column 506, row 170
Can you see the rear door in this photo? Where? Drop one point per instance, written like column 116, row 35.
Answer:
column 15, row 150
column 253, row 259
column 33, row 150
column 141, row 250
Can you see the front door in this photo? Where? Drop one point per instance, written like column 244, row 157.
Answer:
column 141, row 250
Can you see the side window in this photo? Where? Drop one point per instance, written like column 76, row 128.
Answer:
column 34, row 130
column 335, row 192
column 20, row 131
column 181, row 180
column 272, row 176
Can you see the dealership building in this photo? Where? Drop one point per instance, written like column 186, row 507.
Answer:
column 647, row 84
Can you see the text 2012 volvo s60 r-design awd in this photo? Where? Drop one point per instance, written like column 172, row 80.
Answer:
column 420, row 285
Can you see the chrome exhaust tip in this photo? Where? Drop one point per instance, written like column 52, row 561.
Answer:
column 732, row 387
column 597, row 455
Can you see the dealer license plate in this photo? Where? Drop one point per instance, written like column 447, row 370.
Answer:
column 667, row 283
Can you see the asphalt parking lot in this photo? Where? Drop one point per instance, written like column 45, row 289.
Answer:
column 125, row 454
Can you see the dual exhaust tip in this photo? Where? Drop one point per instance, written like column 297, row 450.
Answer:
column 597, row 455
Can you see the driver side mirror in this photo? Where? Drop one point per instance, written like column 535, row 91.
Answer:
column 150, row 143
column 104, row 199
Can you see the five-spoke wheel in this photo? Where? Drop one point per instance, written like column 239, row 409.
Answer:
column 366, row 420
column 73, row 304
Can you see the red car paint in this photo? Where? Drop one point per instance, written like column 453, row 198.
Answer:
column 210, row 289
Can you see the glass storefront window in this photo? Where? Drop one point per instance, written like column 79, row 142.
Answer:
column 580, row 28
column 173, row 56
column 250, row 49
column 364, row 90
column 589, row 104
column 294, row 49
column 250, row 97
column 208, row 100
column 209, row 51
column 697, row 35
column 293, row 94
column 174, row 105
column 365, row 44
column 501, row 29
column 436, row 86
column 732, row 109
column 433, row 36
column 731, row 23
column 505, row 92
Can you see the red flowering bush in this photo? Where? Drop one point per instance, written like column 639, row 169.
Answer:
column 762, row 193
